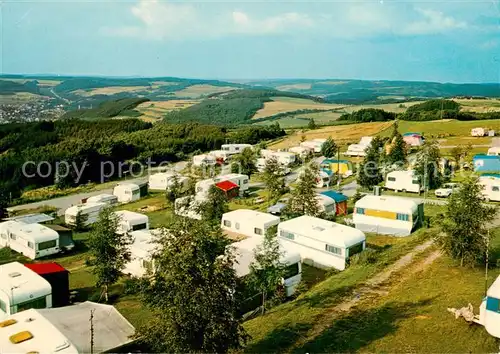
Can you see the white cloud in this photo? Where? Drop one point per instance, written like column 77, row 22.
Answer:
column 433, row 22
column 270, row 25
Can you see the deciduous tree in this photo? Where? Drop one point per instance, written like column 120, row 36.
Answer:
column 427, row 165
column 246, row 162
column 109, row 250
column 274, row 179
column 215, row 206
column 192, row 296
column 464, row 228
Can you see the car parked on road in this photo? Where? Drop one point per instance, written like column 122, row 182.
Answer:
column 446, row 190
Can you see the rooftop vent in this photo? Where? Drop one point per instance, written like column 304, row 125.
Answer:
column 14, row 274
column 7, row 323
column 20, row 337
column 318, row 228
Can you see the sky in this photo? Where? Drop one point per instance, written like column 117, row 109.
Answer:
column 443, row 41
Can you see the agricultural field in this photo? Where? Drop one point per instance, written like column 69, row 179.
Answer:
column 342, row 134
column 390, row 107
column 479, row 105
column 110, row 90
column 41, row 82
column 20, row 98
column 293, row 87
column 301, row 120
column 155, row 110
column 198, row 91
column 290, row 104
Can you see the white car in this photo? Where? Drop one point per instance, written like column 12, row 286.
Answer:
column 446, row 190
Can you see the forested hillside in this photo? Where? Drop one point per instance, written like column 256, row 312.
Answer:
column 91, row 143
column 109, row 109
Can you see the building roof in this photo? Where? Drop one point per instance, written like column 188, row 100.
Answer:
column 111, row 329
column 338, row 197
column 406, row 172
column 131, row 216
column 46, row 337
column 32, row 218
column 252, row 216
column 324, row 230
column 144, row 243
column 58, row 228
column 226, row 186
column 387, row 203
column 18, row 282
column 32, row 232
column 45, row 268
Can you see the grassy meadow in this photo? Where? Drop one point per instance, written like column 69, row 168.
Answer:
column 156, row 110
column 198, row 91
column 290, row 104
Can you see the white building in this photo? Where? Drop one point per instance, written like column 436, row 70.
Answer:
column 403, row 181
column 489, row 311
column 189, row 206
column 387, row 215
column 22, row 289
column 39, row 334
column 241, row 180
column 141, row 253
column 248, row 222
column 321, row 243
column 204, row 160
column 131, row 221
column 494, row 151
column 490, row 187
column 89, row 212
column 479, row 132
column 359, row 149
column 127, row 192
column 244, row 252
column 164, row 180
column 31, row 240
column 109, row 199
column 234, row 148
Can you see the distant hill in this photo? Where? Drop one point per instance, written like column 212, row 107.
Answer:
column 8, row 87
column 109, row 109
column 362, row 92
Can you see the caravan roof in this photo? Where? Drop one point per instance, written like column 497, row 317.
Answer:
column 33, row 232
column 100, row 198
column 244, row 252
column 252, row 216
column 387, row 203
column 84, row 208
column 32, row 218
column 127, row 185
column 130, row 216
column 144, row 243
column 19, row 282
column 46, row 338
column 324, row 230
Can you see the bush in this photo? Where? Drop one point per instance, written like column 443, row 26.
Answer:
column 368, row 256
column 369, row 115
column 133, row 285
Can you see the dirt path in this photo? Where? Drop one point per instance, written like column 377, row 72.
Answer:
column 377, row 286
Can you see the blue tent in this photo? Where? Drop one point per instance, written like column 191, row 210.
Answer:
column 338, row 197
column 483, row 163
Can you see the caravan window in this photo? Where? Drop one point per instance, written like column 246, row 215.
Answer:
column 245, row 181
column 227, row 223
column 391, row 179
column 403, row 217
column 493, row 304
column 3, row 306
column 257, row 231
column 287, row 235
column 139, row 226
column 39, row 303
column 415, row 181
column 360, row 211
column 31, row 245
column 4, row 236
column 237, row 226
column 333, row 249
column 291, row 271
column 47, row 244
column 495, row 189
column 13, row 236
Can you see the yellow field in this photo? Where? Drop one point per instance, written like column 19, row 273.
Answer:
column 390, row 107
column 154, row 110
column 197, row 91
column 110, row 90
column 342, row 134
column 332, row 82
column 302, row 86
column 287, row 104
column 480, row 105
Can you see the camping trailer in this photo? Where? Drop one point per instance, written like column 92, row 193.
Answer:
column 337, row 202
column 403, row 181
column 301, row 151
column 321, row 243
column 141, row 253
column 248, row 222
column 22, row 289
column 204, row 160
column 66, row 242
column 131, row 221
column 241, row 180
column 108, row 199
column 388, row 215
column 479, row 132
column 232, row 149
column 189, row 206
column 245, row 255
column 31, row 240
column 89, row 213
column 342, row 167
column 127, row 192
column 164, row 180
column 489, row 311
column 359, row 149
column 58, row 278
column 313, row 145
column 203, row 187
column 490, row 187
column 494, row 151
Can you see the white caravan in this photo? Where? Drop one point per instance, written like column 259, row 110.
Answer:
column 232, row 149
column 204, row 160
column 489, row 311
column 241, row 180
column 491, row 187
column 403, row 181
column 44, row 337
column 164, row 180
column 301, row 151
column 220, row 155
column 189, row 206
column 22, row 289
column 479, row 132
column 127, row 192
column 131, row 221
column 141, row 253
column 321, row 243
column 89, row 212
column 202, row 187
column 387, row 215
column 494, row 151
column 31, row 240
column 108, row 199
column 359, row 149
column 248, row 222
column 244, row 252
column 313, row 145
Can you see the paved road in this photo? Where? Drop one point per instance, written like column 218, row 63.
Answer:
column 65, row 202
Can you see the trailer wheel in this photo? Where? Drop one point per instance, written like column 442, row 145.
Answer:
column 404, row 191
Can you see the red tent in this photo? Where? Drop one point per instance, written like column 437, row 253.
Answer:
column 58, row 277
column 231, row 189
